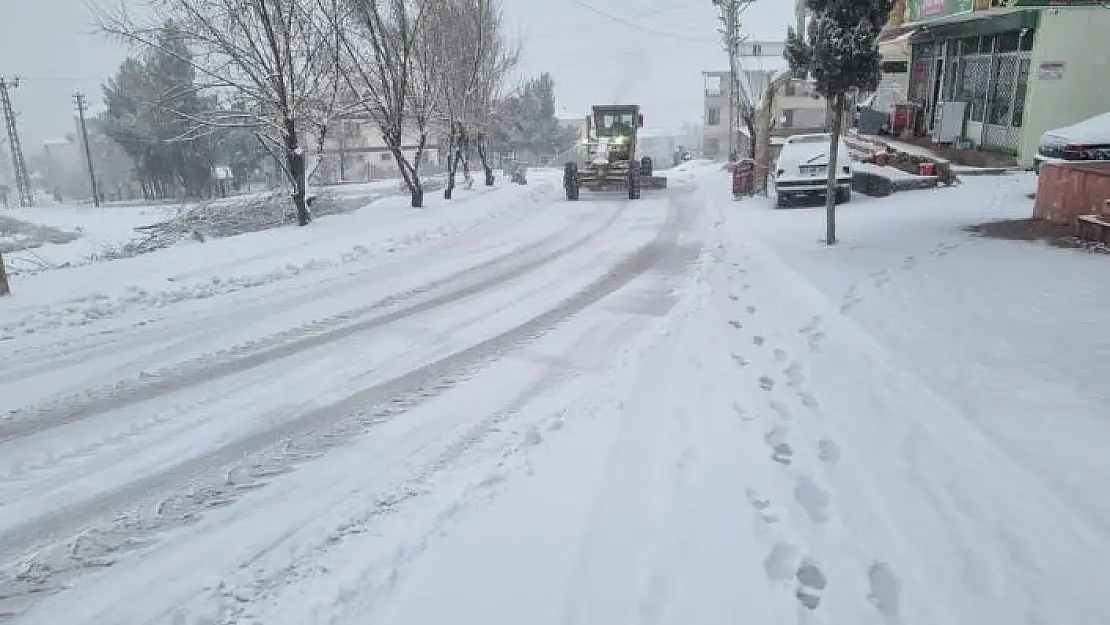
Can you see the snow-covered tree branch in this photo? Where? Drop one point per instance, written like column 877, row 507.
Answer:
column 389, row 75
column 477, row 62
column 278, row 59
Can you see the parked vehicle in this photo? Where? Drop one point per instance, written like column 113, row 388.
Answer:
column 1088, row 140
column 802, row 168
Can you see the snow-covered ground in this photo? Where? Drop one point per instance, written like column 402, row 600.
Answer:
column 517, row 409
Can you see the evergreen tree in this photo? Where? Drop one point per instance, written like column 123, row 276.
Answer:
column 152, row 105
column 842, row 56
column 527, row 122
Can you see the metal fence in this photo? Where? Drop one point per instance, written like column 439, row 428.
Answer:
column 990, row 73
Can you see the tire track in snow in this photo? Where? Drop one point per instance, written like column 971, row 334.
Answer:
column 499, row 440
column 28, row 421
column 181, row 336
column 17, row 482
column 98, row 307
column 29, row 360
column 206, row 481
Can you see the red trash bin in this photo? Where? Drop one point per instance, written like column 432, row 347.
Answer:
column 743, row 178
column 903, row 119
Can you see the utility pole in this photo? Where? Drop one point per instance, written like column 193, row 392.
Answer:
column 79, row 102
column 730, row 36
column 22, row 179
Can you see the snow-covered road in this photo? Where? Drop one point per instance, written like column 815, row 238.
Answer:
column 593, row 412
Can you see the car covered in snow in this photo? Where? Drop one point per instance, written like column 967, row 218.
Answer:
column 802, row 168
column 1088, row 140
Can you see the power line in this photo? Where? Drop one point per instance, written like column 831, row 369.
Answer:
column 579, row 27
column 633, row 25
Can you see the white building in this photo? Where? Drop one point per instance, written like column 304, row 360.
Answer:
column 796, row 109
column 354, row 151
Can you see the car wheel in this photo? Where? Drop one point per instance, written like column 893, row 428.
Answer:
column 781, row 199
column 843, row 196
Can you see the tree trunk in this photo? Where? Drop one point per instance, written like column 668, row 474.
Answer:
column 4, row 288
column 837, row 105
column 753, row 135
column 418, row 187
column 450, row 188
column 294, row 158
column 411, row 177
column 452, row 165
column 484, row 159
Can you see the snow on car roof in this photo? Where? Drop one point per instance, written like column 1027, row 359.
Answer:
column 1091, row 130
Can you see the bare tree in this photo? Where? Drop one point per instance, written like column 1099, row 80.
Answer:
column 277, row 60
column 4, row 288
column 502, row 57
column 392, row 77
column 478, row 60
column 757, row 112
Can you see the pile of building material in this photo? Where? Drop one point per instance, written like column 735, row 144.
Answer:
column 226, row 217
column 17, row 235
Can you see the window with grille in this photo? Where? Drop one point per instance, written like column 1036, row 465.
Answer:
column 1021, row 90
column 972, row 88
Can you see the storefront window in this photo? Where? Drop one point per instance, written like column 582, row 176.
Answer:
column 1008, row 42
column 974, row 72
column 1003, row 79
column 919, row 80
column 985, row 44
column 1019, row 96
column 969, row 46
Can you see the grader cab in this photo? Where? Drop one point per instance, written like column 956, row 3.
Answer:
column 610, row 160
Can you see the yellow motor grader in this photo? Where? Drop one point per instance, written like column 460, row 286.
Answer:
column 610, row 155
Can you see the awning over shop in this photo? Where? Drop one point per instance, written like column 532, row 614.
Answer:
column 974, row 24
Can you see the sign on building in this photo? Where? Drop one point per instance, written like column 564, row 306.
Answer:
column 1050, row 70
column 925, row 10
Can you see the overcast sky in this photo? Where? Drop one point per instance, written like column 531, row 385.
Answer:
column 652, row 55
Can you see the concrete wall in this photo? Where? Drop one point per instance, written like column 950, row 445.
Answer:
column 1066, row 191
column 1078, row 37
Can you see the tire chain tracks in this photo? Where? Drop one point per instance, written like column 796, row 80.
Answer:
column 282, row 448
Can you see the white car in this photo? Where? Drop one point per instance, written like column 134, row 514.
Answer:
column 802, row 168
column 1088, row 140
